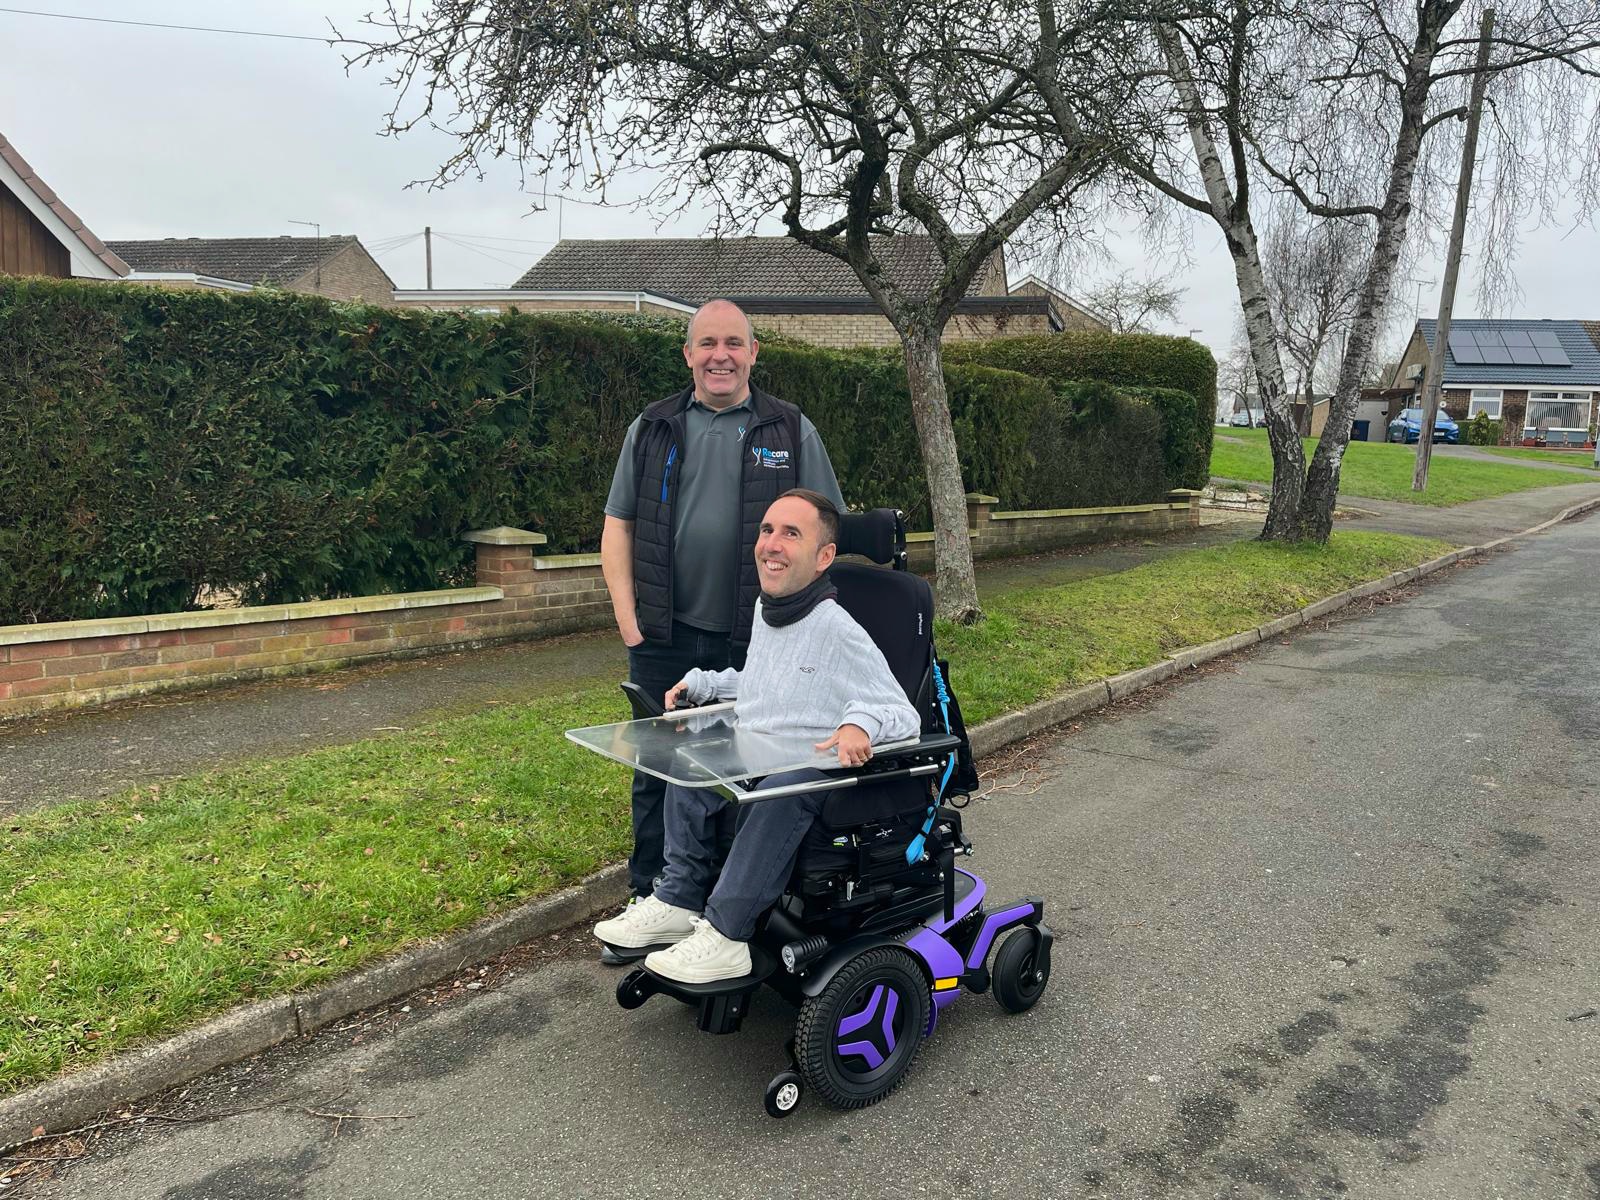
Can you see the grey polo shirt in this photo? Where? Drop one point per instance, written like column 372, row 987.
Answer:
column 705, row 513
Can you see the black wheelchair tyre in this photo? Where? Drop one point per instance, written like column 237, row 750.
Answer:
column 1019, row 974
column 887, row 993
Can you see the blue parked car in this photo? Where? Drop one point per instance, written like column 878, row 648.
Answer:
column 1407, row 427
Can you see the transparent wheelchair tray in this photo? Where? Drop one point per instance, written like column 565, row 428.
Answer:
column 702, row 747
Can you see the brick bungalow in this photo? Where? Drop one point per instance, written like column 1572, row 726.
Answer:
column 786, row 287
column 1539, row 379
column 337, row 266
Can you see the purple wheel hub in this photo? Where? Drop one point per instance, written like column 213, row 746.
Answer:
column 869, row 1034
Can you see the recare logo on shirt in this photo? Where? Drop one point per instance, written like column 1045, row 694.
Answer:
column 777, row 460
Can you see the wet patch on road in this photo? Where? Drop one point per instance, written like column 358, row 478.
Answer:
column 436, row 1049
column 1373, row 1071
column 252, row 1179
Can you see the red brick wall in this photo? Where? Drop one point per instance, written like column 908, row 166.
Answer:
column 181, row 650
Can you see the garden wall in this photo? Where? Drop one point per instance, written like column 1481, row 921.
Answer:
column 517, row 594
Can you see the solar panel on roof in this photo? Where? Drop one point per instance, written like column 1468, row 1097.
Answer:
column 1464, row 348
column 1553, row 356
column 1545, row 339
column 1493, row 347
column 1526, row 356
column 1515, row 337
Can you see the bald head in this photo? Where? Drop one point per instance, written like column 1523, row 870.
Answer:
column 726, row 308
column 720, row 349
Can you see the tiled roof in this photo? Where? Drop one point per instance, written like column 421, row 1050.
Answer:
column 273, row 260
column 1581, row 348
column 700, row 269
column 70, row 219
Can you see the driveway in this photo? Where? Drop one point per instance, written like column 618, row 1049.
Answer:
column 1326, row 923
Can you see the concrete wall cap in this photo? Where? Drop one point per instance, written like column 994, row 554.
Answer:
column 505, row 535
column 980, row 498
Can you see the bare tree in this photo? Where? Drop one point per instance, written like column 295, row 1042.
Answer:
column 1313, row 270
column 1130, row 304
column 845, row 120
column 1349, row 100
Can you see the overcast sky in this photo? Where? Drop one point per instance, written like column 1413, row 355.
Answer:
column 151, row 133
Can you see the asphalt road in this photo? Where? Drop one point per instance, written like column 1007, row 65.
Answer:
column 1326, row 917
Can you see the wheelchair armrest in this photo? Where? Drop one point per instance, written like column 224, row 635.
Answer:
column 926, row 756
column 929, row 747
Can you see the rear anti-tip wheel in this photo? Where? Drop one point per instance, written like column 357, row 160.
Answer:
column 631, row 991
column 856, row 1039
column 783, row 1094
column 1021, row 970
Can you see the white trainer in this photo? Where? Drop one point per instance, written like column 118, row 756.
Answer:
column 703, row 957
column 648, row 922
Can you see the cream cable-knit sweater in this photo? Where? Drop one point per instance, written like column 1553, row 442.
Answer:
column 808, row 678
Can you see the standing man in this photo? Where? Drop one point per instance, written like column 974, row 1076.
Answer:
column 696, row 475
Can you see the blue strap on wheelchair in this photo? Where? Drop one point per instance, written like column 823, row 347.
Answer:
column 914, row 850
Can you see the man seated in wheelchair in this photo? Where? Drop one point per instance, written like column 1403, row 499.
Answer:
column 811, row 671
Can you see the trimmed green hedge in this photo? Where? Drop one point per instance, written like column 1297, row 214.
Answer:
column 161, row 446
column 1176, row 375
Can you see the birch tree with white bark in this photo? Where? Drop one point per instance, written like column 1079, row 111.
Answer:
column 1359, row 101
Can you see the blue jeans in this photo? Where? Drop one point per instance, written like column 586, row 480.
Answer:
column 758, row 866
column 655, row 666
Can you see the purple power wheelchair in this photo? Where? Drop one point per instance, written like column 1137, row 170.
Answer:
column 878, row 930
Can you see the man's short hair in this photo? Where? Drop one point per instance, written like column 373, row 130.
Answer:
column 827, row 513
column 749, row 328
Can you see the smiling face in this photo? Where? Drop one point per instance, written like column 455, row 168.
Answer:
column 720, row 351
column 790, row 552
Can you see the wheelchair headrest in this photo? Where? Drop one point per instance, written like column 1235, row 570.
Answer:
column 879, row 534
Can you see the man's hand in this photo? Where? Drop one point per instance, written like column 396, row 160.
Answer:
column 677, row 694
column 631, row 636
column 855, row 747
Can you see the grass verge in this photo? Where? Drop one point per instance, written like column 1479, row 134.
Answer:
column 1382, row 471
column 133, row 917
column 1566, row 458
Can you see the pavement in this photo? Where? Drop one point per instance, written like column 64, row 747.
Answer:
column 50, row 759
column 1325, row 919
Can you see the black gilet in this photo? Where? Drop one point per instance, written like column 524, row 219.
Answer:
column 772, row 438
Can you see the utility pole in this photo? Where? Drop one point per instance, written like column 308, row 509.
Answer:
column 1434, row 379
column 427, row 244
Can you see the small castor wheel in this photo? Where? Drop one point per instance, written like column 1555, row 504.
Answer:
column 1021, row 970
column 631, row 992
column 783, row 1094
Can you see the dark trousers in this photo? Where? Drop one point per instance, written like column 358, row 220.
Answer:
column 656, row 666
column 758, row 865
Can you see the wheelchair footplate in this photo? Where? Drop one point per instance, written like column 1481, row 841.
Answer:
column 720, row 1006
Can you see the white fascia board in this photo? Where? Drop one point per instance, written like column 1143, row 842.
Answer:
column 86, row 264
column 1457, row 386
column 512, row 295
column 205, row 281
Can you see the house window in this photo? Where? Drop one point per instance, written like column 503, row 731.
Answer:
column 1556, row 410
column 1486, row 401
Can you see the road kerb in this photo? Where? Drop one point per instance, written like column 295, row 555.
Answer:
column 72, row 1100
column 1192, row 656
column 1130, row 682
column 1012, row 727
